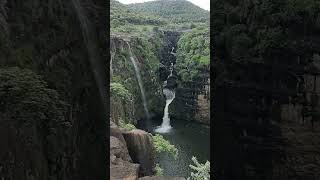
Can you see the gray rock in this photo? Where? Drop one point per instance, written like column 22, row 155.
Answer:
column 124, row 170
column 118, row 149
column 141, row 150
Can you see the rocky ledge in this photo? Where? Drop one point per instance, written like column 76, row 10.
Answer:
column 132, row 155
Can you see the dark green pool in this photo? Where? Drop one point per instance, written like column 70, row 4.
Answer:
column 191, row 139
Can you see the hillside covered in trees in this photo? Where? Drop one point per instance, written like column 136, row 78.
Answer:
column 177, row 11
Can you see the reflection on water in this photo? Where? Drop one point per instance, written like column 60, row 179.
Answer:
column 191, row 139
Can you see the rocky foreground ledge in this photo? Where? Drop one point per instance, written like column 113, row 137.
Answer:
column 132, row 155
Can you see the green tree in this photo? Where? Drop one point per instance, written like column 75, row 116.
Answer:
column 163, row 146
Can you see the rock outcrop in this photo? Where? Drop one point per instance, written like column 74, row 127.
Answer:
column 141, row 150
column 121, row 166
column 131, row 154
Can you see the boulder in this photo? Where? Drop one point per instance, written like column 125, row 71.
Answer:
column 124, row 170
column 141, row 150
column 118, row 149
column 116, row 132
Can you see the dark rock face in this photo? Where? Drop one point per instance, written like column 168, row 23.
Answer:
column 192, row 100
column 46, row 37
column 141, row 150
column 169, row 46
column 258, row 99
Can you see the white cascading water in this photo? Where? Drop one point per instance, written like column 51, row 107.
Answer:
column 165, row 126
column 136, row 68
column 170, row 95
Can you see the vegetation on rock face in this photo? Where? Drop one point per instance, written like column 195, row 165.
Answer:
column 193, row 53
column 32, row 118
column 26, row 98
column 162, row 145
column 120, row 91
column 176, row 11
column 202, row 171
column 127, row 125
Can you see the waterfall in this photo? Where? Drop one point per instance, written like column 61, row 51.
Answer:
column 170, row 95
column 96, row 61
column 136, row 68
column 165, row 126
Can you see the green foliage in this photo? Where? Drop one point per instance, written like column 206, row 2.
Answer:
column 163, row 146
column 202, row 171
column 177, row 11
column 248, row 33
column 193, row 53
column 159, row 170
column 121, row 15
column 25, row 98
column 120, row 91
column 127, row 126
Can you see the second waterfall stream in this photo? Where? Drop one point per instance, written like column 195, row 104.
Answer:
column 136, row 68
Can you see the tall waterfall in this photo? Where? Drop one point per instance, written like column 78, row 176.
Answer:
column 170, row 95
column 96, row 61
column 136, row 68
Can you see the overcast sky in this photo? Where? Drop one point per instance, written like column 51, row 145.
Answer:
column 204, row 4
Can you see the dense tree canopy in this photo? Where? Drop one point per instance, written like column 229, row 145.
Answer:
column 121, row 14
column 26, row 98
column 178, row 11
column 246, row 32
column 193, row 53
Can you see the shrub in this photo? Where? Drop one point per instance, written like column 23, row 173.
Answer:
column 202, row 171
column 120, row 91
column 161, row 145
column 127, row 126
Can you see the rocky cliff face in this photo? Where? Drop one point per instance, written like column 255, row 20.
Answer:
column 123, row 71
column 192, row 99
column 46, row 37
column 132, row 155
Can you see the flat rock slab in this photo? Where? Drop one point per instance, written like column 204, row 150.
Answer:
column 124, row 171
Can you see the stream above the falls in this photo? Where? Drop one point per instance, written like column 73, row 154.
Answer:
column 190, row 138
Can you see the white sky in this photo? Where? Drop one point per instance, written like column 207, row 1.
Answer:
column 204, row 4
